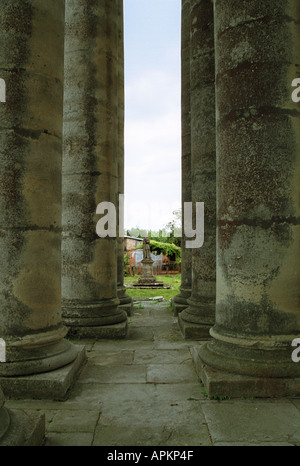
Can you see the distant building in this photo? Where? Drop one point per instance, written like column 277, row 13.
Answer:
column 162, row 263
column 130, row 243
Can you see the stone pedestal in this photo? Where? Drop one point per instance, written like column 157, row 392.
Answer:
column 179, row 302
column 199, row 316
column 258, row 268
column 20, row 429
column 147, row 278
column 90, row 169
column 30, row 190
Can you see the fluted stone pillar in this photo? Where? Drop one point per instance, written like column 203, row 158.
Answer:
column 90, row 169
column 196, row 320
column 31, row 62
column 126, row 302
column 179, row 302
column 258, row 268
column 18, row 428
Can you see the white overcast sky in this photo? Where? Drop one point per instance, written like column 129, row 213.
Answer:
column 152, row 112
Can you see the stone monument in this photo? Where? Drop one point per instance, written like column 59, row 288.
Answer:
column 147, row 278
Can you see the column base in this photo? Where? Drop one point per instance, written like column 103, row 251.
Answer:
column 53, row 385
column 192, row 331
column 178, row 307
column 88, row 320
column 35, row 354
column 196, row 320
column 110, row 332
column 180, row 301
column 221, row 384
column 127, row 307
column 126, row 303
column 25, row 430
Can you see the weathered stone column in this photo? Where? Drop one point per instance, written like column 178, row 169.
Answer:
column 179, row 302
column 196, row 320
column 258, row 144
column 18, row 429
column 126, row 302
column 31, row 62
column 90, row 169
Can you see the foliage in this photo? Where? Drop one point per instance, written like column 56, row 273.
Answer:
column 166, row 239
column 126, row 259
column 169, row 233
column 137, row 232
column 168, row 249
column 174, row 226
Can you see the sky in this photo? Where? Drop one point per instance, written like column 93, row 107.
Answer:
column 152, row 112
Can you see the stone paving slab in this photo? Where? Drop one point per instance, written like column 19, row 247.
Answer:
column 164, row 344
column 128, row 344
column 133, row 436
column 167, row 332
column 156, row 356
column 113, row 374
column 99, row 394
column 144, row 321
column 140, row 333
column 252, row 421
column 71, row 420
column 170, row 373
column 174, row 393
column 145, row 391
column 296, row 402
column 82, row 439
column 109, row 358
column 143, row 420
column 149, row 436
column 153, row 413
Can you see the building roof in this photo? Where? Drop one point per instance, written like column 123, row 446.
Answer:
column 133, row 237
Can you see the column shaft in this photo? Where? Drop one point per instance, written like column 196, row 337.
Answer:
column 126, row 302
column 31, row 62
column 179, row 302
column 196, row 320
column 258, row 127
column 90, row 168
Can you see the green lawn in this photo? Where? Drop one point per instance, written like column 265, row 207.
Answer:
column 173, row 280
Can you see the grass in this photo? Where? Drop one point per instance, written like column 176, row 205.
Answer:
column 173, row 280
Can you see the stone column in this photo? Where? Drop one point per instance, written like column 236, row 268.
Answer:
column 90, row 169
column 196, row 320
column 31, row 62
column 179, row 302
column 258, row 268
column 18, row 428
column 126, row 302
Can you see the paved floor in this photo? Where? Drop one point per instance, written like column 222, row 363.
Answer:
column 143, row 391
